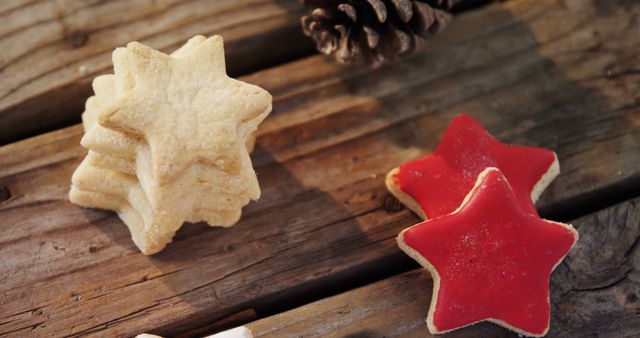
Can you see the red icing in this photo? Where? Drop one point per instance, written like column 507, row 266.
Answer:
column 493, row 259
column 439, row 182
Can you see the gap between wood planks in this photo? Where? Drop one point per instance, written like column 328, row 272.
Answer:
column 76, row 42
column 591, row 296
column 400, row 263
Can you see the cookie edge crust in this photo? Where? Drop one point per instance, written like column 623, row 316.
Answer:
column 403, row 197
column 552, row 172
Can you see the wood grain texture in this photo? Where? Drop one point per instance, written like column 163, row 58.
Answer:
column 52, row 49
column 593, row 295
column 321, row 160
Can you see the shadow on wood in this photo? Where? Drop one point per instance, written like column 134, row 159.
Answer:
column 595, row 293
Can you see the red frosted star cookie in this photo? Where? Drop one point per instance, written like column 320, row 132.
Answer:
column 490, row 260
column 436, row 184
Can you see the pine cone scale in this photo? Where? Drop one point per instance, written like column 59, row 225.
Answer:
column 424, row 18
column 404, row 9
column 349, row 11
column 442, row 18
column 372, row 37
column 400, row 41
column 379, row 9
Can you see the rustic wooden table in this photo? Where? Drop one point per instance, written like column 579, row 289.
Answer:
column 316, row 256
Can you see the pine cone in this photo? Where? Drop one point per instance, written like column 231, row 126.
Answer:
column 376, row 31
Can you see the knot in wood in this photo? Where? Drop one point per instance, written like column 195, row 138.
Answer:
column 77, row 39
column 5, row 194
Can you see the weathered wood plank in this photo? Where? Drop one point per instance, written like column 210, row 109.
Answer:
column 593, row 295
column 52, row 49
column 321, row 160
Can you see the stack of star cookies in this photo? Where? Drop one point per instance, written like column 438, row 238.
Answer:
column 169, row 138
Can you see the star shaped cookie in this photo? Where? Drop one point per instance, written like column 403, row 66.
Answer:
column 436, row 184
column 490, row 260
column 185, row 108
column 109, row 149
column 169, row 138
